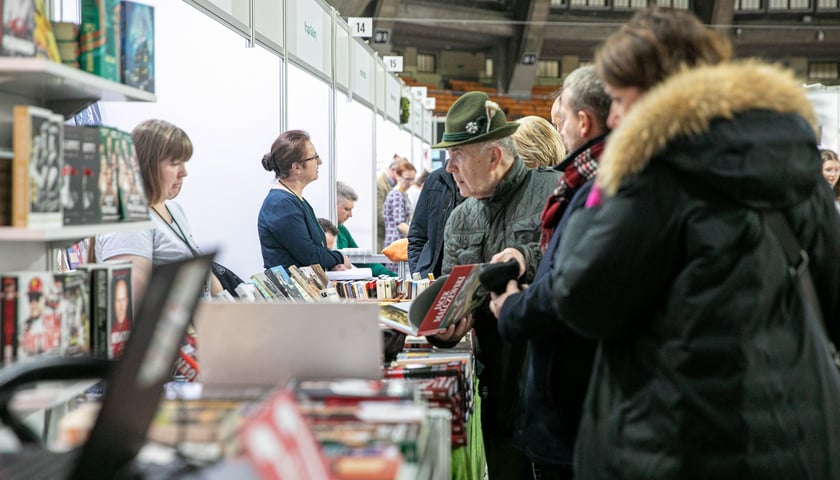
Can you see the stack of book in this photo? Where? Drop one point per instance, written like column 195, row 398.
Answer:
column 444, row 379
column 372, row 429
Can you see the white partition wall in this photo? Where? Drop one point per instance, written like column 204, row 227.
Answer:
column 309, row 109
column 353, row 159
column 226, row 97
column 387, row 143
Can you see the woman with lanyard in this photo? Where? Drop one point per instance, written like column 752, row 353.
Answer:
column 162, row 153
column 288, row 228
column 162, row 150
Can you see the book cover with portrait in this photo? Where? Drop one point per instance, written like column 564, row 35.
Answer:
column 132, row 198
column 37, row 137
column 39, row 325
column 120, row 310
column 109, row 201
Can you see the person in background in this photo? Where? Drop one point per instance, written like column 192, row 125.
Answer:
column 413, row 192
column 330, row 232
column 163, row 151
column 710, row 363
column 288, row 229
column 385, row 182
column 500, row 216
column 831, row 172
column 559, row 360
column 538, row 143
column 346, row 199
column 438, row 198
column 397, row 210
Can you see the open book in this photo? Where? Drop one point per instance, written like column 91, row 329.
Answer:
column 450, row 298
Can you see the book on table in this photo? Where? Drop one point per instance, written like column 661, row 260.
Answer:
column 450, row 298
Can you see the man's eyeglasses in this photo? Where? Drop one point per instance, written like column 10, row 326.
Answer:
column 408, row 179
column 314, row 157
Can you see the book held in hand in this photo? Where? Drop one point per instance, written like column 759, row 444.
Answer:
column 447, row 300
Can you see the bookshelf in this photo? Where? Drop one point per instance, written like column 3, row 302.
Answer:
column 60, row 88
column 65, row 90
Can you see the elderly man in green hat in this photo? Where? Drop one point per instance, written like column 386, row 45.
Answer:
column 499, row 220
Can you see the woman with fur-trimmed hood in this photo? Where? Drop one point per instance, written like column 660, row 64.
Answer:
column 708, row 366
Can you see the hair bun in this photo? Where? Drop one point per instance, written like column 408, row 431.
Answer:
column 267, row 161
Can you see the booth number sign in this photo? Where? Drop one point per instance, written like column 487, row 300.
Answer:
column 360, row 26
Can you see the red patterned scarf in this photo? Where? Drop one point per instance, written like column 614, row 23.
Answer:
column 582, row 168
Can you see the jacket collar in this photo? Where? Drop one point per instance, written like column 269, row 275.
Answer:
column 686, row 103
column 511, row 182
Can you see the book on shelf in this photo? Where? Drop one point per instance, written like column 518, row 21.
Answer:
column 74, row 310
column 8, row 319
column 67, row 39
column 36, row 167
column 18, row 29
column 447, row 300
column 138, row 45
column 120, row 316
column 38, row 322
column 99, row 38
column 132, row 197
column 72, row 176
column 43, row 36
column 91, row 167
column 5, row 191
column 109, row 201
column 101, row 287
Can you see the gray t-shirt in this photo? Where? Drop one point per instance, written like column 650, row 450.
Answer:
column 160, row 244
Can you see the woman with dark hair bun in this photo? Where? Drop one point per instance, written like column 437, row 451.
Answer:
column 710, row 363
column 288, row 228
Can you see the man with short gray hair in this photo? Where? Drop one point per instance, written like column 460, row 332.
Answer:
column 345, row 200
column 499, row 219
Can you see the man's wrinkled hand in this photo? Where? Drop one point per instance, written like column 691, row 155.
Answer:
column 457, row 330
column 510, row 254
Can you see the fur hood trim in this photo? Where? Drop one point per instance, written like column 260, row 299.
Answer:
column 685, row 104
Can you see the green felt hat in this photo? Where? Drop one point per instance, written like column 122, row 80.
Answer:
column 474, row 118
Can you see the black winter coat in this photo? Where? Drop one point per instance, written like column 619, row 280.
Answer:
column 707, row 366
column 438, row 198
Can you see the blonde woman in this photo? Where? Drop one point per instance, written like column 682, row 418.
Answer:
column 538, row 143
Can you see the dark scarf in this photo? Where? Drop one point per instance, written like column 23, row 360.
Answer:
column 578, row 170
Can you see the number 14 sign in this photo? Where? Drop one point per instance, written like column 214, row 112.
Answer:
column 360, row 26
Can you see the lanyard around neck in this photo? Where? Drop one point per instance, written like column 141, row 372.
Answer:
column 178, row 233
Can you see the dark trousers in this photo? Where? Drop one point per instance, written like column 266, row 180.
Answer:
column 553, row 472
column 504, row 462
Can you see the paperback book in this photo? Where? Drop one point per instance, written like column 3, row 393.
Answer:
column 109, row 202
column 99, row 38
column 132, row 198
column 36, row 167
column 447, row 300
column 138, row 45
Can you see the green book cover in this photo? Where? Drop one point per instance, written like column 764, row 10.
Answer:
column 99, row 38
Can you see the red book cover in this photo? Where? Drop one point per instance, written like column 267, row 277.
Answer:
column 450, row 298
column 9, row 319
column 279, row 444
